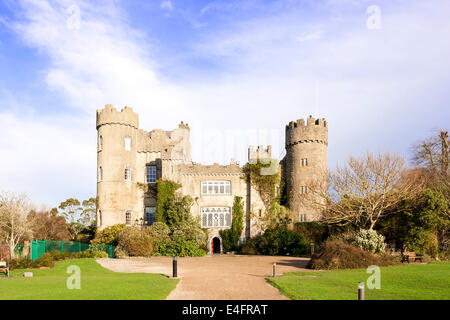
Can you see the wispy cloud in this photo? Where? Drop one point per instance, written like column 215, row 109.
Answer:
column 310, row 36
column 377, row 88
column 167, row 5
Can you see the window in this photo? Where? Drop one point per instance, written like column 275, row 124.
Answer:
column 216, row 217
column 304, row 162
column 150, row 215
column 303, row 189
column 127, row 173
column 100, row 143
column 302, row 217
column 100, row 218
column 100, row 174
column 151, row 174
column 216, row 187
column 128, row 217
column 128, row 143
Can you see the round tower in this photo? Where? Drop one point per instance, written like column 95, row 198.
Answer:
column 305, row 165
column 117, row 133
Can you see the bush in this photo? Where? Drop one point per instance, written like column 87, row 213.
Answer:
column 338, row 254
column 120, row 253
column 282, row 241
column 369, row 240
column 180, row 248
column 96, row 251
column 136, row 242
column 49, row 259
column 191, row 231
column 109, row 235
column 250, row 246
column 313, row 232
column 159, row 230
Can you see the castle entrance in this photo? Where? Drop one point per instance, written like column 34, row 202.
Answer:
column 215, row 245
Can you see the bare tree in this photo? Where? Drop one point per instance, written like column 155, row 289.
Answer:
column 432, row 153
column 364, row 190
column 14, row 225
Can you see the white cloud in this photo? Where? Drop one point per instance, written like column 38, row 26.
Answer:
column 167, row 5
column 310, row 36
column 374, row 86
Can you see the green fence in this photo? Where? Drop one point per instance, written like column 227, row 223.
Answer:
column 4, row 251
column 39, row 247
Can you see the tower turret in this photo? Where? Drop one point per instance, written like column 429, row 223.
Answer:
column 305, row 164
column 117, row 133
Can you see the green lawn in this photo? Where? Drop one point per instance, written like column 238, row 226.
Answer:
column 404, row 282
column 96, row 283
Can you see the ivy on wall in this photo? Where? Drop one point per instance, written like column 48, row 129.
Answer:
column 270, row 189
column 230, row 237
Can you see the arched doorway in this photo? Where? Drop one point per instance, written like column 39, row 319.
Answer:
column 215, row 245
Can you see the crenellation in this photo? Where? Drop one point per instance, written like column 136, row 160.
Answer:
column 131, row 157
column 110, row 115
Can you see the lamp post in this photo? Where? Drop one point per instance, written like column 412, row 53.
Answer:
column 139, row 223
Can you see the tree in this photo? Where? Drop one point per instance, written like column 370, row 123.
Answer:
column 49, row 226
column 14, row 226
column 81, row 217
column 70, row 210
column 432, row 153
column 431, row 156
column 89, row 211
column 364, row 190
column 416, row 222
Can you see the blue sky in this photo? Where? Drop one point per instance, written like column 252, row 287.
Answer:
column 236, row 71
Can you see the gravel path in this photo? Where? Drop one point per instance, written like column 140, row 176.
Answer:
column 217, row 277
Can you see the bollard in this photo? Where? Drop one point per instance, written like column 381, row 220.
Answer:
column 274, row 269
column 361, row 291
column 312, row 248
column 175, row 267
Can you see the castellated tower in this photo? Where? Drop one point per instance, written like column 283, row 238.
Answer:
column 305, row 164
column 116, row 165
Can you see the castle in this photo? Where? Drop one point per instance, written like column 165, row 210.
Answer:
column 129, row 157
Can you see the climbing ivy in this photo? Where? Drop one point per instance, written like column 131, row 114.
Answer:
column 171, row 207
column 256, row 173
column 265, row 184
column 230, row 237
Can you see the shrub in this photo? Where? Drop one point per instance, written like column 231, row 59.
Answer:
column 159, row 230
column 136, row 242
column 96, row 251
column 191, row 231
column 109, row 235
column 282, row 241
column 250, row 246
column 180, row 248
column 369, row 240
column 120, row 253
column 338, row 254
column 49, row 259
column 313, row 232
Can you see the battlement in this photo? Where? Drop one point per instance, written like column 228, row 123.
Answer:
column 259, row 153
column 184, row 126
column 109, row 115
column 315, row 130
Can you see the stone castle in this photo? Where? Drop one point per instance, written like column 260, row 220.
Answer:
column 129, row 157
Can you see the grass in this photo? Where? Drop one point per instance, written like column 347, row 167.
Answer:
column 97, row 283
column 403, row 282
